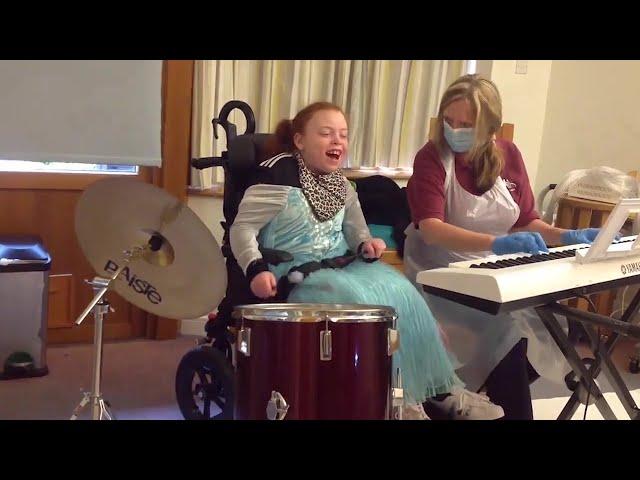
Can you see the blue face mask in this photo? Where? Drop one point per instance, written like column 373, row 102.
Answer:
column 459, row 139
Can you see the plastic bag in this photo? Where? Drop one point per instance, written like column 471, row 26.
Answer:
column 607, row 177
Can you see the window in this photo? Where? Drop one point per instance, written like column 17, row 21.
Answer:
column 101, row 113
column 63, row 167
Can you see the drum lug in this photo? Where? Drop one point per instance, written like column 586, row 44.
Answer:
column 277, row 406
column 397, row 401
column 244, row 341
column 397, row 397
column 393, row 341
column 325, row 345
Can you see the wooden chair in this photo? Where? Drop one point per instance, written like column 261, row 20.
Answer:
column 392, row 258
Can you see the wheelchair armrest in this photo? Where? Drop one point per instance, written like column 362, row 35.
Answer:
column 208, row 162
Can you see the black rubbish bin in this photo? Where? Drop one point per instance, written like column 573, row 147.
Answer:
column 24, row 293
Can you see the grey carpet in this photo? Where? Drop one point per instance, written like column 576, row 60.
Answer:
column 138, row 380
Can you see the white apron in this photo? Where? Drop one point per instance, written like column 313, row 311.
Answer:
column 478, row 341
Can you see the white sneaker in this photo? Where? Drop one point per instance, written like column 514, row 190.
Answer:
column 414, row 412
column 465, row 405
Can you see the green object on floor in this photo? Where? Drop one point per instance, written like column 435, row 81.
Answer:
column 18, row 362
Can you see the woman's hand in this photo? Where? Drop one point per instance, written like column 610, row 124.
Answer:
column 263, row 285
column 373, row 248
column 527, row 242
column 584, row 235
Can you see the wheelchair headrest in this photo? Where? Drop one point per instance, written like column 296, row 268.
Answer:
column 245, row 151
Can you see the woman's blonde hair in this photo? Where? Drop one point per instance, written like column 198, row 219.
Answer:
column 486, row 107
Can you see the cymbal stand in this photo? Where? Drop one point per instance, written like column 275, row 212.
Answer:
column 99, row 407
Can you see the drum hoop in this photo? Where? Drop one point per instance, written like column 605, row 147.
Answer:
column 315, row 313
column 318, row 319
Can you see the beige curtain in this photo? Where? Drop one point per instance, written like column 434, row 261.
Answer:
column 388, row 103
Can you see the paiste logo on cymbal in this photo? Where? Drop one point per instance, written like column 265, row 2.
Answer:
column 137, row 284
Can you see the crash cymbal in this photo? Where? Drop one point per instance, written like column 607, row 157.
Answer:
column 181, row 275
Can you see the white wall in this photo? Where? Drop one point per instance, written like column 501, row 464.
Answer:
column 209, row 210
column 524, row 100
column 591, row 118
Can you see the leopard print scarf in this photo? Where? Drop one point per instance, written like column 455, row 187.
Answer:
column 325, row 193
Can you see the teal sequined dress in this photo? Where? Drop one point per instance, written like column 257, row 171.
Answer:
column 422, row 358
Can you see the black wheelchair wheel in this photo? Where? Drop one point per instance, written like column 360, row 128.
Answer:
column 204, row 385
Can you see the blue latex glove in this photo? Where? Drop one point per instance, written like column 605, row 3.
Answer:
column 527, row 242
column 584, row 235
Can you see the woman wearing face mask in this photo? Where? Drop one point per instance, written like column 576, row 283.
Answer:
column 470, row 197
column 301, row 203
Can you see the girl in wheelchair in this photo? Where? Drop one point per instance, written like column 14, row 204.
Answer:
column 301, row 203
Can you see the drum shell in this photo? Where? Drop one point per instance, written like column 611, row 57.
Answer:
column 285, row 357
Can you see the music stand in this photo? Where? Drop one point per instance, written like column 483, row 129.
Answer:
column 603, row 247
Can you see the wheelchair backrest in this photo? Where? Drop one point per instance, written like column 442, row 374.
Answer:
column 244, row 153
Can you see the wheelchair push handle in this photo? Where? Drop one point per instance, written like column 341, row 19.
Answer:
column 230, row 131
column 230, row 128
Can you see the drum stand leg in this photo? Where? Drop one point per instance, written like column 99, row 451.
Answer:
column 100, row 409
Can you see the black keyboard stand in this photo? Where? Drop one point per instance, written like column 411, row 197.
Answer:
column 602, row 352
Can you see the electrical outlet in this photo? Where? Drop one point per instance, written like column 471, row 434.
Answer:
column 521, row 66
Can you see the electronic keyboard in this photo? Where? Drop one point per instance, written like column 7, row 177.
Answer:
column 504, row 283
